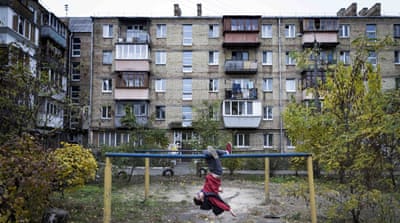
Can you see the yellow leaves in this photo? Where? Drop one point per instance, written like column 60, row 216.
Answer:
column 77, row 165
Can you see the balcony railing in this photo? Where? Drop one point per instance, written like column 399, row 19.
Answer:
column 49, row 32
column 241, row 93
column 135, row 37
column 240, row 66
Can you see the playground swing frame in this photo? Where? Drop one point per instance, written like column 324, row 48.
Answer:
column 148, row 156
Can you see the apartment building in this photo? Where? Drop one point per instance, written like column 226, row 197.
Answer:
column 167, row 67
column 30, row 34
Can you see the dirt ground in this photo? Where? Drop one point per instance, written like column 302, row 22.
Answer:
column 247, row 198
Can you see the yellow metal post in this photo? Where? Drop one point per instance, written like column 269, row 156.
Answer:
column 311, row 186
column 146, row 177
column 107, row 191
column 266, row 183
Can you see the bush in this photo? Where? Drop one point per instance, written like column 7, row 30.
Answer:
column 75, row 166
column 26, row 177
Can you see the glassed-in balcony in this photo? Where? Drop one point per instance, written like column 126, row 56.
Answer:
column 240, row 67
column 131, row 57
column 242, row 113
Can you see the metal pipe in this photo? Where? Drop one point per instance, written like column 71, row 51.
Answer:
column 280, row 86
column 200, row 156
column 311, row 188
column 107, row 191
column 266, row 177
column 146, row 177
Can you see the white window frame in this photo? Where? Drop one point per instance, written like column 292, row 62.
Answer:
column 290, row 31
column 372, row 58
column 213, row 31
column 106, row 112
column 290, row 60
column 161, row 57
column 267, row 57
column 291, row 85
column 108, row 31
column 161, row 31
column 187, row 34
column 107, row 57
column 242, row 140
column 131, row 52
column 267, row 84
column 76, row 71
column 345, row 57
column 187, row 90
column 266, row 31
column 187, row 60
column 106, row 86
column 344, row 31
column 160, row 112
column 370, row 31
column 268, row 140
column 268, row 112
column 213, row 85
column 160, row 85
column 213, row 58
column 187, row 115
column 397, row 57
column 76, row 47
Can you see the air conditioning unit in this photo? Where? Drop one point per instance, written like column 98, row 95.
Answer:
column 120, row 40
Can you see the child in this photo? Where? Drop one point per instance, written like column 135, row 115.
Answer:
column 208, row 198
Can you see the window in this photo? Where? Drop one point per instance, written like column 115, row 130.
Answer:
column 76, row 47
column 131, row 51
column 371, row 31
column 290, row 85
column 267, row 57
column 161, row 31
column 140, row 109
column 107, row 85
column 187, row 89
column 345, row 57
column 268, row 140
column 186, row 116
column 397, row 80
column 397, row 57
column 213, row 85
column 213, row 31
column 160, row 85
column 267, row 112
column 372, row 58
column 134, row 80
column 187, row 35
column 213, row 113
column 289, row 144
column 244, row 25
column 242, row 140
column 240, row 55
column 106, row 112
column 187, row 61
column 344, row 30
column 108, row 31
column 290, row 31
column 238, row 108
column 160, row 112
column 76, row 71
column 290, row 59
column 161, row 57
column 75, row 94
column 266, row 31
column 267, row 84
column 396, row 30
column 213, row 57
column 107, row 57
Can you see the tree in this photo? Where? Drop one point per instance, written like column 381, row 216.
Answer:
column 347, row 135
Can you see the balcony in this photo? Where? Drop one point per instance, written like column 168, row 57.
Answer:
column 241, row 67
column 131, row 57
column 131, row 94
column 135, row 36
column 140, row 120
column 241, row 93
column 49, row 32
column 131, row 65
column 241, row 31
column 242, row 113
column 324, row 39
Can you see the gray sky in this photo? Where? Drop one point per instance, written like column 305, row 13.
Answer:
column 155, row 8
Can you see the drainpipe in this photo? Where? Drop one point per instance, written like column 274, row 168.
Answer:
column 280, row 86
column 90, row 134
